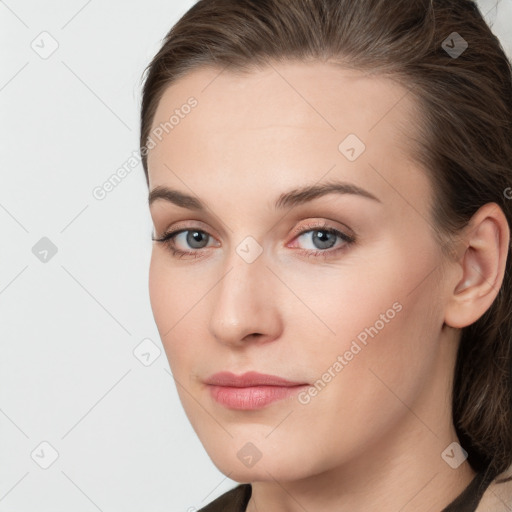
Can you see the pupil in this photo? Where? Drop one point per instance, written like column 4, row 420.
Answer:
column 195, row 237
column 324, row 238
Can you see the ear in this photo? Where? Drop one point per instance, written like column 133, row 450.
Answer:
column 487, row 239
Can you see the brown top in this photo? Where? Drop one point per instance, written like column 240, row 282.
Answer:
column 236, row 499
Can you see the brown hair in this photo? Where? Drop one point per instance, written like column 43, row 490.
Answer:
column 465, row 137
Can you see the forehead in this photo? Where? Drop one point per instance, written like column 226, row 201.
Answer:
column 311, row 94
column 286, row 121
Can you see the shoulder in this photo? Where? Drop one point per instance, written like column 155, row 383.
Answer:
column 498, row 496
column 234, row 500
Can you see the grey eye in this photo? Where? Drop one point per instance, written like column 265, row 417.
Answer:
column 195, row 238
column 322, row 239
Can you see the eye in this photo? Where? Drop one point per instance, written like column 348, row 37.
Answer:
column 194, row 238
column 322, row 239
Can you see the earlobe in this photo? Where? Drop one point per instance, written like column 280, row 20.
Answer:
column 483, row 267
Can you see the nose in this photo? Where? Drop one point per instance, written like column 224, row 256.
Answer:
column 244, row 304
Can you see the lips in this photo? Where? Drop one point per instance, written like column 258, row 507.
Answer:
column 249, row 379
column 251, row 390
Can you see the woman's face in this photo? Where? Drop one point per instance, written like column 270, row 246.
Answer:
column 359, row 323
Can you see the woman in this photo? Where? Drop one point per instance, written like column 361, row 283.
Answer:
column 329, row 183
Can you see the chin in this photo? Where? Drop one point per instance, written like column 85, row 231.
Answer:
column 273, row 464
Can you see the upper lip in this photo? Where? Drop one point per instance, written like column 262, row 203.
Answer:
column 248, row 379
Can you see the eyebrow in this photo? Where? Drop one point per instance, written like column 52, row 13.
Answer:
column 286, row 200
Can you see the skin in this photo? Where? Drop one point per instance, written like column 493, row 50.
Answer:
column 372, row 438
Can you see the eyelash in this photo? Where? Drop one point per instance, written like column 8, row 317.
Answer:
column 168, row 240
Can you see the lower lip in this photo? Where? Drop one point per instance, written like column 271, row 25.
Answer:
column 255, row 397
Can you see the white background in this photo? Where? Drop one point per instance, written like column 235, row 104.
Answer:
column 69, row 326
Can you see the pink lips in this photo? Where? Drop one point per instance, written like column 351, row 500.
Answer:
column 251, row 390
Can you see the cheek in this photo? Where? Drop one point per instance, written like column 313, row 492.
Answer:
column 174, row 301
column 158, row 282
column 344, row 301
column 165, row 292
column 389, row 291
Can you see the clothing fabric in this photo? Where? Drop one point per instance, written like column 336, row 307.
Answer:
column 236, row 500
column 469, row 499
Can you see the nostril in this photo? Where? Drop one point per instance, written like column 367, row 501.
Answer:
column 254, row 335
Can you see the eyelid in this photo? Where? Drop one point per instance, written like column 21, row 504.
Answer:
column 189, row 226
column 321, row 225
column 172, row 233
